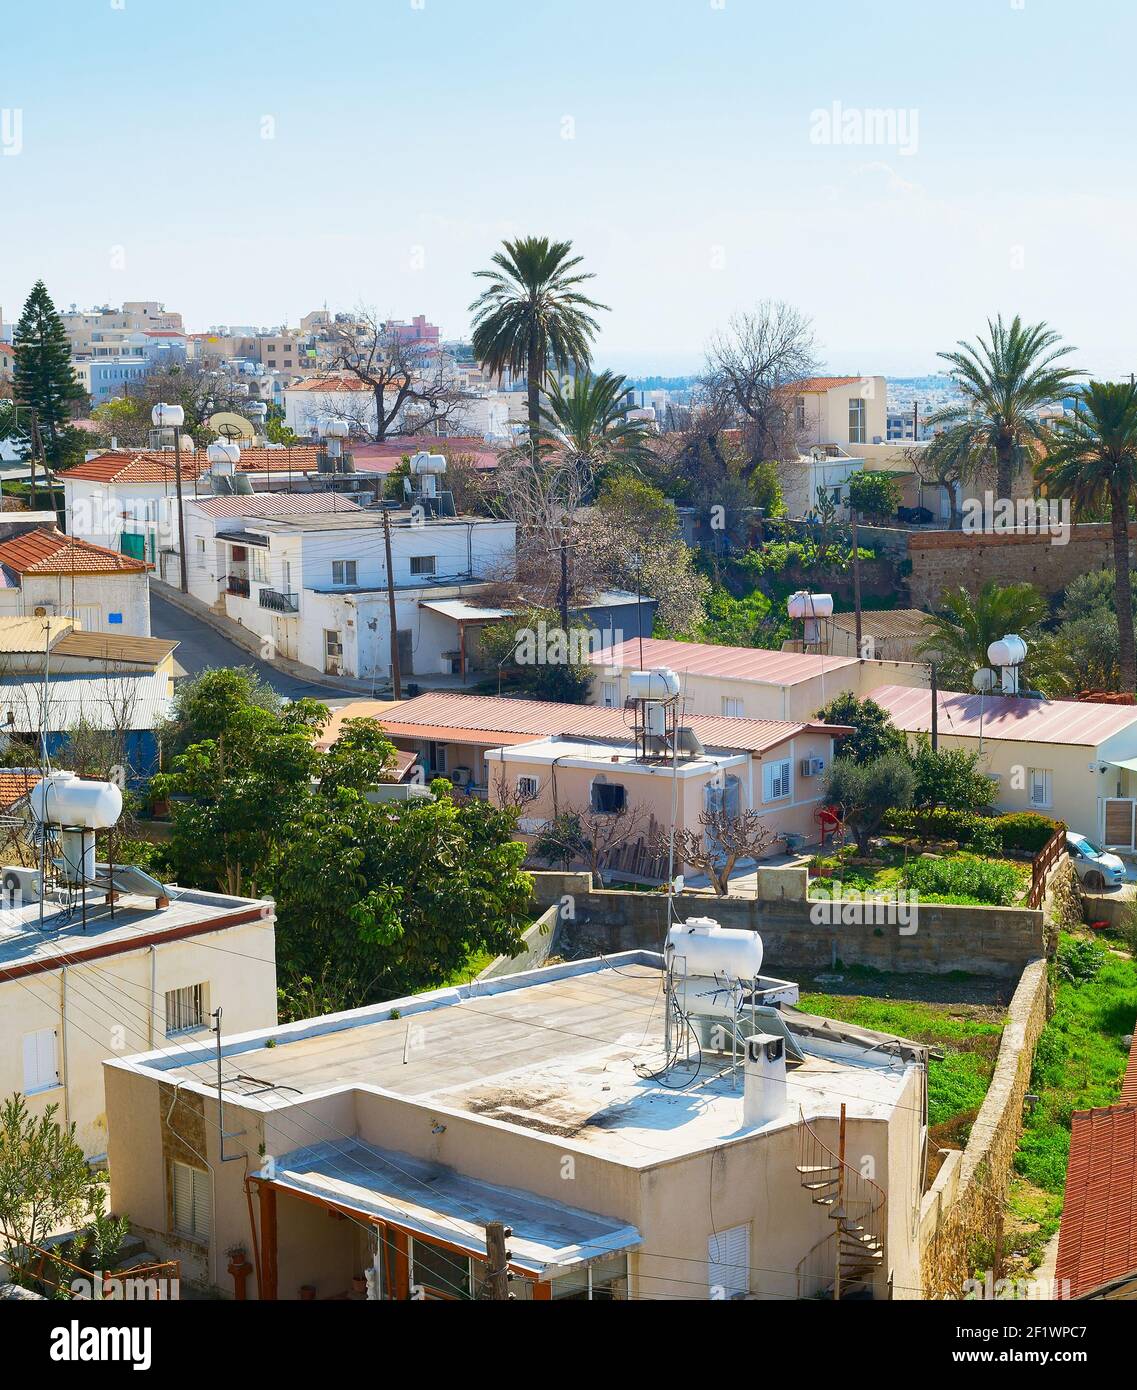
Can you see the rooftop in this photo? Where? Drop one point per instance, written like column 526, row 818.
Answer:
column 274, row 504
column 1005, row 716
column 145, row 466
column 734, row 663
column 25, row 950
column 46, row 551
column 1097, row 1242
column 491, row 721
column 560, row 749
column 20, row 635
column 109, row 647
column 552, row 1052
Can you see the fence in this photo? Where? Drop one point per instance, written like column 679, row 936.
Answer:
column 1042, row 864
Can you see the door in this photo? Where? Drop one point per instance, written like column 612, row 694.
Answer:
column 284, row 637
column 1118, row 823
column 89, row 618
column 333, row 652
column 406, row 653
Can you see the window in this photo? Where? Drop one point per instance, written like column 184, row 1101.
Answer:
column 185, row 1009
column 610, row 693
column 728, row 1263
column 801, row 412
column 41, row 1065
column 856, row 420
column 528, row 787
column 439, row 1273
column 1040, row 786
column 423, row 564
column 602, row 1280
column 775, row 780
column 343, row 571
column 259, row 566
column 732, row 708
column 608, row 798
column 190, row 1200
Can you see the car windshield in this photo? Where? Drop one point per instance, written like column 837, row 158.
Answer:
column 1086, row 846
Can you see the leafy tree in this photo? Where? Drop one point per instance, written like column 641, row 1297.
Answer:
column 949, row 777
column 532, row 312
column 399, row 894
column 865, row 792
column 875, row 495
column 361, row 756
column 276, row 431
column 1004, row 379
column 587, row 422
column 205, row 704
column 45, row 1182
column 873, row 734
column 43, row 379
column 1092, row 459
column 532, row 654
column 958, row 636
column 633, row 539
column 1088, row 632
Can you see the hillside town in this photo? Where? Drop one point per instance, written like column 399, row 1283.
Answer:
column 481, row 825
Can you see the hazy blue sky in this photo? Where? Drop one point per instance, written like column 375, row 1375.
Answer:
column 410, row 136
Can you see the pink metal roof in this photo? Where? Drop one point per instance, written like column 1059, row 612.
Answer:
column 491, row 721
column 276, row 504
column 736, row 663
column 1005, row 716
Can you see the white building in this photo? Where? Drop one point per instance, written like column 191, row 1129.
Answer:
column 44, row 572
column 309, row 402
column 310, row 576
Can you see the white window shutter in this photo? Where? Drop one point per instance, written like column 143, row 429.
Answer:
column 202, row 1213
column 728, row 1262
column 183, row 1197
column 41, row 1069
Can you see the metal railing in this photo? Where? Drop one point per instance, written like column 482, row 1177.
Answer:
column 279, row 601
column 59, row 1276
column 1042, row 864
column 238, row 585
column 847, row 1258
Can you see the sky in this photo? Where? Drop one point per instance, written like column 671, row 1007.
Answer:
column 899, row 170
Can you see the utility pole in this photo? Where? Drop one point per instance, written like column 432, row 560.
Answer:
column 396, row 678
column 563, row 595
column 181, row 511
column 856, row 581
column 497, row 1261
column 935, row 706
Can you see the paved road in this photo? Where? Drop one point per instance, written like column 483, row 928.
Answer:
column 201, row 647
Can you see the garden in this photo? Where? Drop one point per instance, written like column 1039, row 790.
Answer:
column 897, row 865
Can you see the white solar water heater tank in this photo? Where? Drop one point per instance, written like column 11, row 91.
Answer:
column 66, row 799
column 659, row 684
column 803, row 604
column 710, row 949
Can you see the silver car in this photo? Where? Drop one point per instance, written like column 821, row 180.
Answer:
column 1094, row 866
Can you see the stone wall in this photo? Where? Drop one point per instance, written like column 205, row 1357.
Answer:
column 995, row 941
column 963, row 1209
column 945, row 559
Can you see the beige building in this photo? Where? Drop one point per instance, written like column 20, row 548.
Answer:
column 383, row 1140
column 81, row 984
column 1073, row 760
column 748, row 682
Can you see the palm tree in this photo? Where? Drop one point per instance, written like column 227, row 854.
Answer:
column 958, row 637
column 1004, row 380
column 1092, row 459
column 587, row 423
column 534, row 311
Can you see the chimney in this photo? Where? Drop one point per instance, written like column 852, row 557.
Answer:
column 764, row 1079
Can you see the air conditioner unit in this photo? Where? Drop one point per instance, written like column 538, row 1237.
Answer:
column 811, row 767
column 461, row 777
column 20, row 885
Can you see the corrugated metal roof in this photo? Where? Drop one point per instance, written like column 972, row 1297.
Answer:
column 106, row 646
column 1129, row 1085
column 893, row 622
column 104, row 702
column 1097, row 1241
column 491, row 721
column 274, row 504
column 1005, row 716
column 735, row 663
column 27, row 634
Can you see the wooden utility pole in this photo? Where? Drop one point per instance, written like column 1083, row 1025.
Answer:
column 396, row 677
column 935, row 706
column 856, row 582
column 184, row 572
column 497, row 1260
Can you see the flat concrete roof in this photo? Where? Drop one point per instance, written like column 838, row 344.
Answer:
column 566, row 1051
column 25, row 949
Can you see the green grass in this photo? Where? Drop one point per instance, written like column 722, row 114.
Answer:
column 1079, row 1063
column 958, row 1083
column 959, row 877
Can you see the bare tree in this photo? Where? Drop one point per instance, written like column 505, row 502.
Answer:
column 409, row 388
column 512, row 795
column 722, row 839
column 947, row 461
column 750, row 367
column 579, row 834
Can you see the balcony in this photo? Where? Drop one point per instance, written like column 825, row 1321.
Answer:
column 280, row 602
column 238, row 584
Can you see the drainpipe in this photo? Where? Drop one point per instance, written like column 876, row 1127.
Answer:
column 153, row 994
column 64, row 1067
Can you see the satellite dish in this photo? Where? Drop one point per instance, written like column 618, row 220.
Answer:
column 231, row 426
column 984, row 680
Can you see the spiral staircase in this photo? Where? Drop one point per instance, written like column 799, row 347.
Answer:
column 844, row 1263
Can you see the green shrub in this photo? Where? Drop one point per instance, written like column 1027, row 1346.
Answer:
column 1080, row 960
column 981, row 880
column 1025, row 831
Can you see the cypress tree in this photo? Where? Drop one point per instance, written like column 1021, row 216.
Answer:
column 43, row 379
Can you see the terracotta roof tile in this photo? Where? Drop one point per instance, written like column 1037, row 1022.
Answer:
column 51, row 552
column 123, row 466
column 1098, row 1237
column 824, row 383
column 16, row 782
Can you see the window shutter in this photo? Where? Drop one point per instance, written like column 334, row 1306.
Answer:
column 728, row 1262
column 40, row 1066
column 183, row 1197
column 202, row 1214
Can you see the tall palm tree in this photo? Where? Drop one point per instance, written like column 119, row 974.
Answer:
column 958, row 636
column 1004, row 380
column 534, row 311
column 1092, row 459
column 587, row 423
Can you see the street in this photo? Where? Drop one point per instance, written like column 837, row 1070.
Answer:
column 201, row 647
